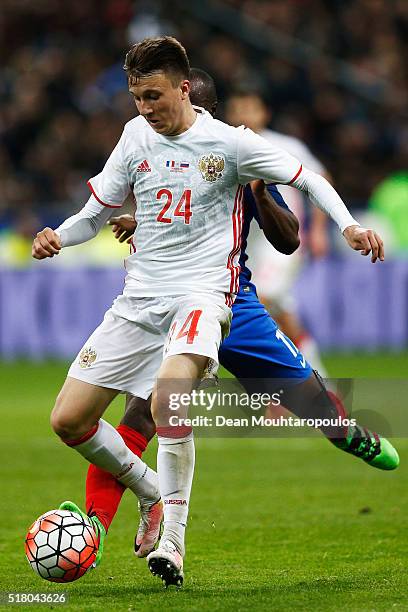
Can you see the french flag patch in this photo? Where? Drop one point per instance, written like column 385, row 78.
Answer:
column 175, row 166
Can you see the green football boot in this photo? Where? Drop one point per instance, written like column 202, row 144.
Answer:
column 370, row 447
column 96, row 523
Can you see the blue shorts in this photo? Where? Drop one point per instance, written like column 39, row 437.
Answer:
column 256, row 348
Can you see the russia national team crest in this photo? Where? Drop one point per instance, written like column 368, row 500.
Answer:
column 87, row 357
column 211, row 167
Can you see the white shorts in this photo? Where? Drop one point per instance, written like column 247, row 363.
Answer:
column 125, row 352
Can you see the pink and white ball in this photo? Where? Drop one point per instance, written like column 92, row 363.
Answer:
column 61, row 546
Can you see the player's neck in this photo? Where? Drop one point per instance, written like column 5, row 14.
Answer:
column 187, row 119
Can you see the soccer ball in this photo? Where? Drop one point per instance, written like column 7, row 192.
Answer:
column 61, row 546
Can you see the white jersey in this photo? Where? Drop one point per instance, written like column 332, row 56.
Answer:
column 188, row 190
column 294, row 198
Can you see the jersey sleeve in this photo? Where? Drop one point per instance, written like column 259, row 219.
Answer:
column 111, row 186
column 258, row 158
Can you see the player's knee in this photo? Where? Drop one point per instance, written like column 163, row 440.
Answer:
column 61, row 426
column 65, row 423
column 161, row 408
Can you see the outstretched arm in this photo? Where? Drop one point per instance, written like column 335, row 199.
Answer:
column 77, row 229
column 256, row 158
column 322, row 194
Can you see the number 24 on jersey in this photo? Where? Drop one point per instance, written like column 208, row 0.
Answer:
column 182, row 208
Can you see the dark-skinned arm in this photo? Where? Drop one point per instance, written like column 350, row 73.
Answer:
column 279, row 224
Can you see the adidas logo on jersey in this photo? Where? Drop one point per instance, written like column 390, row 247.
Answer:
column 144, row 167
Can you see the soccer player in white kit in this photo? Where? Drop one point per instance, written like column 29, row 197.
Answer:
column 187, row 172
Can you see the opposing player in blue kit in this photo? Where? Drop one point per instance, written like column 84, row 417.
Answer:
column 256, row 352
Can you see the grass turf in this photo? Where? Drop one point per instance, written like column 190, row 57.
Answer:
column 276, row 524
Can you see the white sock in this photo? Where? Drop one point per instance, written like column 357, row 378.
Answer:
column 106, row 449
column 175, row 467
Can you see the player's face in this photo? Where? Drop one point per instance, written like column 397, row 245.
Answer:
column 161, row 102
column 249, row 111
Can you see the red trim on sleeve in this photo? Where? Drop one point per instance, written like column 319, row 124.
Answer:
column 99, row 200
column 296, row 175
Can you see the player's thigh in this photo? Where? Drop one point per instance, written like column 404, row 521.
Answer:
column 177, row 377
column 194, row 337
column 79, row 406
column 185, row 366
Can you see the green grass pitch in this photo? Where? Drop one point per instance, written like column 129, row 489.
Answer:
column 276, row 524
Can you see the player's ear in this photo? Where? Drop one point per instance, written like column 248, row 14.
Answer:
column 185, row 89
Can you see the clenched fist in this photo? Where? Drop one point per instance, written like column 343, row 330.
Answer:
column 365, row 240
column 47, row 243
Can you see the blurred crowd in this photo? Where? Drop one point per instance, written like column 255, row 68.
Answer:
column 63, row 96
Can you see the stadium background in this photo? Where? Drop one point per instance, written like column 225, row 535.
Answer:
column 335, row 75
column 330, row 80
